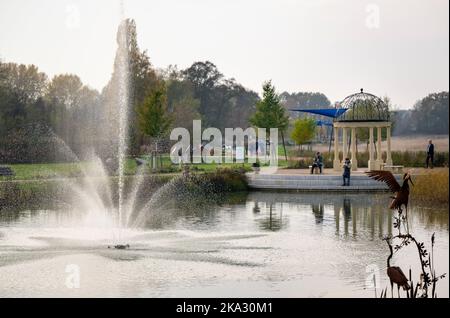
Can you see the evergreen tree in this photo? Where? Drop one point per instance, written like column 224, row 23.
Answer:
column 270, row 113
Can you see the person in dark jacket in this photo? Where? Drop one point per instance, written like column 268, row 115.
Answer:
column 318, row 163
column 430, row 154
column 347, row 169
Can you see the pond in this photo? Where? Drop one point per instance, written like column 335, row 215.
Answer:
column 262, row 244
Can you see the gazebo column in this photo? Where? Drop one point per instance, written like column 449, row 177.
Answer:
column 379, row 161
column 371, row 163
column 354, row 160
column 336, row 161
column 388, row 141
column 344, row 144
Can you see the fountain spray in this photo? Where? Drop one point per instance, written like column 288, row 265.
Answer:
column 123, row 100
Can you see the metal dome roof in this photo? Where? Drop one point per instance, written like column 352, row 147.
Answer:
column 364, row 107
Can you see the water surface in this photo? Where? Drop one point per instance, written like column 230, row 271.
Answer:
column 263, row 245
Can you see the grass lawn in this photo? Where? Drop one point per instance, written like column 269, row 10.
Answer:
column 43, row 171
column 55, row 170
column 165, row 165
column 72, row 170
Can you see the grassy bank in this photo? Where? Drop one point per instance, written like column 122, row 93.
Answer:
column 57, row 193
column 47, row 193
column 430, row 186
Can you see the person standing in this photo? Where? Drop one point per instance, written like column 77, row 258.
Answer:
column 346, row 175
column 430, row 154
column 320, row 161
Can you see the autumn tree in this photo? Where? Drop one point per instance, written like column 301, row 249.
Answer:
column 303, row 131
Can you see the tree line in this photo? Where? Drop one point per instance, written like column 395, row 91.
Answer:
column 53, row 119
column 429, row 116
column 38, row 114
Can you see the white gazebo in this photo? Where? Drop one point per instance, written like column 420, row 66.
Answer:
column 364, row 111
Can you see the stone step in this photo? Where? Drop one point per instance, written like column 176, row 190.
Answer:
column 311, row 184
column 314, row 182
column 321, row 189
column 308, row 177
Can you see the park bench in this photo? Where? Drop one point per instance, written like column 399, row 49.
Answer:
column 316, row 169
column 394, row 169
column 6, row 171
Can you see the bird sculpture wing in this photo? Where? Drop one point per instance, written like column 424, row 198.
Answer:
column 386, row 177
column 401, row 278
column 400, row 272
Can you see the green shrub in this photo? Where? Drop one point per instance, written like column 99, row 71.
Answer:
column 227, row 180
column 412, row 159
column 296, row 152
column 418, row 158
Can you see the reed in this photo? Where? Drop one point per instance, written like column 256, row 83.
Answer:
column 430, row 186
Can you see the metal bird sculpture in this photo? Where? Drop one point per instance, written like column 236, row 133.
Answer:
column 396, row 275
column 401, row 192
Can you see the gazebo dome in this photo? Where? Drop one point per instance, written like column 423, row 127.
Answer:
column 364, row 107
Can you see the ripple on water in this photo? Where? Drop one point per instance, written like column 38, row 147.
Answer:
column 285, row 247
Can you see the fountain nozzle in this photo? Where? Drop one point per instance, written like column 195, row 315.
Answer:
column 120, row 246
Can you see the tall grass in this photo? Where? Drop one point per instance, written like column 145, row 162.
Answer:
column 431, row 186
column 418, row 158
column 410, row 159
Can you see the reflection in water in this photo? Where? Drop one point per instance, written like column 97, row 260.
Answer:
column 272, row 220
column 317, row 210
column 279, row 244
column 256, row 208
column 347, row 215
column 350, row 213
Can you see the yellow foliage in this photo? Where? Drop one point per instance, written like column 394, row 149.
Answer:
column 430, row 186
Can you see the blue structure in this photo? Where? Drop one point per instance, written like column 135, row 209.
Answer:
column 327, row 112
column 324, row 123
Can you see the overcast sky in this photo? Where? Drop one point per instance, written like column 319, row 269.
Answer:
column 391, row 47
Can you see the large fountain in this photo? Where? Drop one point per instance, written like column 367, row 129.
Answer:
column 99, row 194
column 102, row 194
column 259, row 244
column 123, row 99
